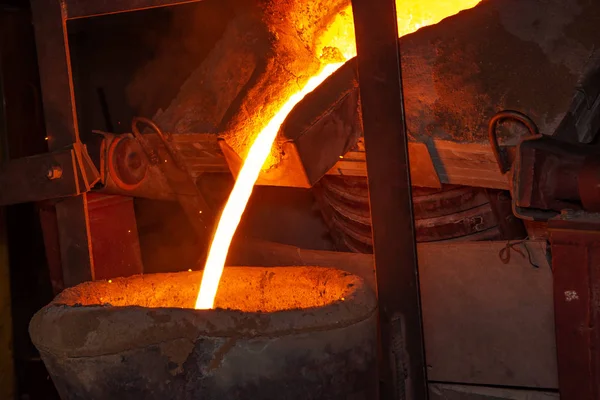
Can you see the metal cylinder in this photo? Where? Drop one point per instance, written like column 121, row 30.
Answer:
column 275, row 333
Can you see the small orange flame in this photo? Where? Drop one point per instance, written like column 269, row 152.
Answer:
column 236, row 204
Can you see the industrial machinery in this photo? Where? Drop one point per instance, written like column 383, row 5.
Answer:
column 480, row 147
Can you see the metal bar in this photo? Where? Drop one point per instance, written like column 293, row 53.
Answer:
column 94, row 8
column 7, row 373
column 75, row 240
column 7, row 368
column 37, row 178
column 55, row 73
column 469, row 164
column 576, row 273
column 62, row 130
column 403, row 370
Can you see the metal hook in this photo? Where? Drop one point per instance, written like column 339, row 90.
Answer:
column 152, row 155
column 493, row 137
column 166, row 142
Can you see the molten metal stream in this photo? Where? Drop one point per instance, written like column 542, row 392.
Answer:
column 236, row 204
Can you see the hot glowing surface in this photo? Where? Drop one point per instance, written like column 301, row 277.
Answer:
column 412, row 15
column 236, row 204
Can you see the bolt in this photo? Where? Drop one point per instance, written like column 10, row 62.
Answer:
column 54, row 173
column 134, row 161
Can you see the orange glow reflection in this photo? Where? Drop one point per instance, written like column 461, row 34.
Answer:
column 412, row 15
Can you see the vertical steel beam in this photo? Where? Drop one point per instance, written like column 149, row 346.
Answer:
column 575, row 240
column 58, row 96
column 7, row 373
column 403, row 371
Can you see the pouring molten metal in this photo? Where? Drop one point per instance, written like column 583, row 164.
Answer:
column 236, row 204
column 340, row 34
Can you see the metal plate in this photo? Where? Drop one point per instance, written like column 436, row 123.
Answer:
column 25, row 179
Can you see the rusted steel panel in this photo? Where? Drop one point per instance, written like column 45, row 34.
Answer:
column 93, row 8
column 450, row 213
column 62, row 131
column 469, row 164
column 117, row 249
column 575, row 242
column 35, row 178
column 7, row 375
column 439, row 161
column 47, row 211
column 75, row 238
column 441, row 391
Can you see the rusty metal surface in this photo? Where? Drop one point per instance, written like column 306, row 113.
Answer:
column 127, row 170
column 75, row 240
column 62, row 131
column 509, row 225
column 68, row 172
column 575, row 264
column 76, row 255
column 125, row 162
column 28, row 181
column 510, row 115
column 322, row 127
column 433, row 163
column 174, row 169
column 403, row 367
column 47, row 212
column 422, row 170
column 7, row 366
column 589, row 184
column 444, row 391
column 552, row 175
column 469, row 164
column 93, row 8
column 117, row 250
column 451, row 213
column 55, row 73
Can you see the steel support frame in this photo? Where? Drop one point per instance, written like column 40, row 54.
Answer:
column 387, row 164
column 403, row 369
column 58, row 97
column 7, row 367
column 575, row 246
column 74, row 9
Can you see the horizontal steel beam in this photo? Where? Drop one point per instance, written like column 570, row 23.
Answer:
column 37, row 178
column 469, row 164
column 63, row 173
column 75, row 9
